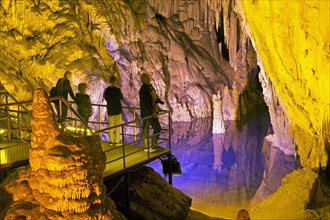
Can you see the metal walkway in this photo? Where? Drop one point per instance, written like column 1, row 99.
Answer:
column 15, row 135
column 135, row 156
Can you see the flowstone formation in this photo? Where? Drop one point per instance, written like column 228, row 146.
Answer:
column 188, row 47
column 291, row 200
column 295, row 57
column 218, row 122
column 64, row 180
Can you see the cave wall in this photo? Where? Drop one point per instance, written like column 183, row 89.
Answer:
column 192, row 49
column 190, row 58
column 292, row 40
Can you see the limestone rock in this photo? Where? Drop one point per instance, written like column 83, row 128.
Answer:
column 296, row 60
column 294, row 194
column 281, row 137
column 218, row 122
column 65, row 177
column 151, row 197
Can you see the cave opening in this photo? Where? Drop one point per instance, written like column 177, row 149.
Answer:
column 220, row 36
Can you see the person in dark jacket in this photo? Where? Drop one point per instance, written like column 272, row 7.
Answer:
column 64, row 88
column 114, row 96
column 84, row 104
column 149, row 107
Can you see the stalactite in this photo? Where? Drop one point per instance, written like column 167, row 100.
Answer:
column 196, row 14
column 326, row 128
column 218, row 122
column 205, row 14
column 217, row 16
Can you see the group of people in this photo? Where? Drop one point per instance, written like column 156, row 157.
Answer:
column 149, row 111
column 149, row 101
column 83, row 101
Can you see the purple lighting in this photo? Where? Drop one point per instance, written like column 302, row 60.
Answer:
column 222, row 172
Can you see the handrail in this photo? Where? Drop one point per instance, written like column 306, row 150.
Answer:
column 163, row 140
column 15, row 100
column 128, row 135
column 67, row 103
column 130, row 122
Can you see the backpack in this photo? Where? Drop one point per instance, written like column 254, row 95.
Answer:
column 53, row 92
column 58, row 89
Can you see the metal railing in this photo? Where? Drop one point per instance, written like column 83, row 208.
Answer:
column 130, row 136
column 16, row 117
column 15, row 129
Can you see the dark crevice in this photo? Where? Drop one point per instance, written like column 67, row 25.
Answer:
column 221, row 38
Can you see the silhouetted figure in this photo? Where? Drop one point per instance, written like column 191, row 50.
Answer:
column 243, row 214
column 84, row 103
column 149, row 107
column 114, row 96
column 64, row 88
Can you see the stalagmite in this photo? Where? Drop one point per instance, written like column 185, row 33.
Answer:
column 218, row 144
column 66, row 174
column 218, row 122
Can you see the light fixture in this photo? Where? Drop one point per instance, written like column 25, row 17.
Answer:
column 175, row 165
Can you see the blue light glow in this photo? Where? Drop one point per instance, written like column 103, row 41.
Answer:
column 222, row 172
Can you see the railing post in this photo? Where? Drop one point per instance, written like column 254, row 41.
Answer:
column 134, row 126
column 8, row 117
column 123, row 145
column 148, row 141
column 170, row 168
column 170, row 146
column 169, row 129
column 60, row 115
column 18, row 122
column 99, row 113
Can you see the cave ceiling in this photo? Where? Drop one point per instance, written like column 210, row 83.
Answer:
column 192, row 50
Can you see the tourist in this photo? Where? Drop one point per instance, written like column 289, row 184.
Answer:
column 84, row 104
column 63, row 86
column 113, row 97
column 149, row 107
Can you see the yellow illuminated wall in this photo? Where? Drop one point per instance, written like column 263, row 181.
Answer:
column 292, row 39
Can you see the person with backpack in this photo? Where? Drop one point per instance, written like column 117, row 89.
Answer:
column 113, row 96
column 84, row 104
column 63, row 87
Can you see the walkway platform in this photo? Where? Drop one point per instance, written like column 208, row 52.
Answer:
column 135, row 157
column 119, row 159
column 13, row 154
column 15, row 136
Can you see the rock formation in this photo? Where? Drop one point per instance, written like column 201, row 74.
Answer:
column 301, row 186
column 151, row 197
column 192, row 49
column 65, row 177
column 182, row 55
column 218, row 122
column 294, row 51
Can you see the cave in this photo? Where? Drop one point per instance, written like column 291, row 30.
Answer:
column 224, row 69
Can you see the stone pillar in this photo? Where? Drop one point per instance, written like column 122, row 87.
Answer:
column 218, row 122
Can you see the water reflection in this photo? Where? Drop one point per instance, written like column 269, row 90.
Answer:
column 222, row 172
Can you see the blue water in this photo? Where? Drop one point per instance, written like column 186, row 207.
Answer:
column 222, row 172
